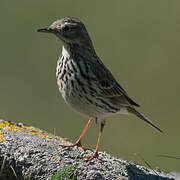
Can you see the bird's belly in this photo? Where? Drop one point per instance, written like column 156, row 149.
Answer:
column 81, row 100
column 77, row 100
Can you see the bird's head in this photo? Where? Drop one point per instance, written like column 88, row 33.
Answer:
column 70, row 31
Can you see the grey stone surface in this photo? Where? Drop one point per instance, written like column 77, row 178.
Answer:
column 29, row 153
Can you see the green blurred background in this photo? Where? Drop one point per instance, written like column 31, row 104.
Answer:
column 139, row 41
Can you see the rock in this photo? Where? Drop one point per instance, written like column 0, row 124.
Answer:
column 30, row 153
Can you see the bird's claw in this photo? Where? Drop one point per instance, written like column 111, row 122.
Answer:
column 90, row 158
column 78, row 144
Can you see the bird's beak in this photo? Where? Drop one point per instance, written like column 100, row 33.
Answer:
column 46, row 30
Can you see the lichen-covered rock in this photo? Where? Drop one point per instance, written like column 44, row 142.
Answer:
column 29, row 153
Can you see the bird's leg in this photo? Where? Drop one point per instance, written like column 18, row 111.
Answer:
column 78, row 142
column 95, row 155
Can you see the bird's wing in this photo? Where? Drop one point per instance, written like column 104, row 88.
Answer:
column 109, row 87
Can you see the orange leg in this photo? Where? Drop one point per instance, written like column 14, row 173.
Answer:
column 78, row 142
column 95, row 155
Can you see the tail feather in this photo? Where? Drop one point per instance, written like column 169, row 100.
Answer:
column 144, row 118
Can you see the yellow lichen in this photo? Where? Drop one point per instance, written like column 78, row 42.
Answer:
column 5, row 125
column 1, row 137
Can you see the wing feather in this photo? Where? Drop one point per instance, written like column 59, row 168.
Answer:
column 109, row 87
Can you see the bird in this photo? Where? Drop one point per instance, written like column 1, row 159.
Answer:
column 85, row 83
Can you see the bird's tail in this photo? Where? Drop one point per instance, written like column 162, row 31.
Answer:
column 144, row 118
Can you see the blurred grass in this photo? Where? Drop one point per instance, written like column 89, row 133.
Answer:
column 137, row 40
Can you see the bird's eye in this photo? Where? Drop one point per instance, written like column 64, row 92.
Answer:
column 65, row 28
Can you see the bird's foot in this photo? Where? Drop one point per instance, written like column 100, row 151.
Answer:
column 90, row 158
column 78, row 144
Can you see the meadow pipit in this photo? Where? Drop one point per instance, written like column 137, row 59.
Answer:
column 84, row 82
